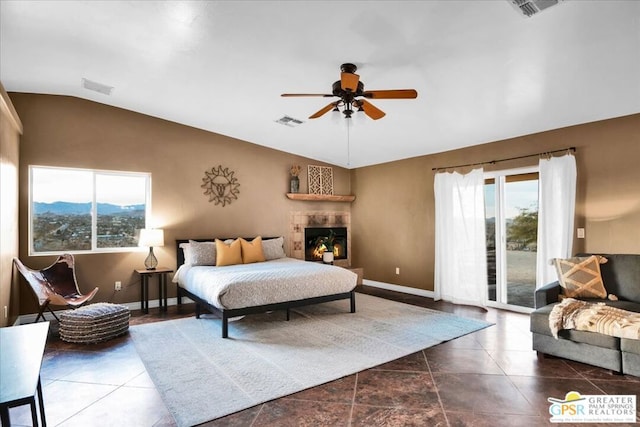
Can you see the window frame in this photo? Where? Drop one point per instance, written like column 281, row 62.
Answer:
column 94, row 210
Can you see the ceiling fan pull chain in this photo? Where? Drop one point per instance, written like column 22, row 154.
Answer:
column 348, row 143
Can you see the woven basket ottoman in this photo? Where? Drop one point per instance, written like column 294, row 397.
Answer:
column 94, row 323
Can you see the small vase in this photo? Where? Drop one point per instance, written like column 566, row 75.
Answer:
column 295, row 184
column 327, row 257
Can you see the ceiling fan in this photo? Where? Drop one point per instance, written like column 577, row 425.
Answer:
column 350, row 90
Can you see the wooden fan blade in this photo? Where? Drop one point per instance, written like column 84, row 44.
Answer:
column 323, row 111
column 371, row 110
column 349, row 81
column 325, row 95
column 391, row 94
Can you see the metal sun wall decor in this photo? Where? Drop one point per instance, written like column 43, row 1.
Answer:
column 220, row 185
column 320, row 179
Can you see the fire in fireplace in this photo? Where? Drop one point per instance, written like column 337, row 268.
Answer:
column 317, row 239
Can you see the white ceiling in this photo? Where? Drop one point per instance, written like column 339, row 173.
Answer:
column 483, row 72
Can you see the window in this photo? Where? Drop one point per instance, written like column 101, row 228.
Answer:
column 81, row 210
column 511, row 206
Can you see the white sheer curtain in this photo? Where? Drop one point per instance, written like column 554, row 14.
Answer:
column 461, row 252
column 556, row 209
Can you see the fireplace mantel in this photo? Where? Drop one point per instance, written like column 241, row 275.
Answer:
column 320, row 197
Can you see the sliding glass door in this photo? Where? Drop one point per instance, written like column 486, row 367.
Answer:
column 511, row 212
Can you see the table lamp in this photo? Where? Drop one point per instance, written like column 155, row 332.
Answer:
column 151, row 237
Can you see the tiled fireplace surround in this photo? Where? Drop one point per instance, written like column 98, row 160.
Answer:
column 300, row 220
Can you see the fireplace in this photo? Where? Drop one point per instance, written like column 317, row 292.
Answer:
column 315, row 238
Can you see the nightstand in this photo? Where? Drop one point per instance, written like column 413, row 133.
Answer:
column 145, row 275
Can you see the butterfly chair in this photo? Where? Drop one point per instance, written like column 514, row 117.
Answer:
column 55, row 285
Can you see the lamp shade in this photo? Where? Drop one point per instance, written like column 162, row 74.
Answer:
column 151, row 237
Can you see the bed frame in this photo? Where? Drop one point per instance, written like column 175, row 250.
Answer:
column 229, row 313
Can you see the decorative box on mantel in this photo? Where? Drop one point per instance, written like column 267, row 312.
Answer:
column 321, row 197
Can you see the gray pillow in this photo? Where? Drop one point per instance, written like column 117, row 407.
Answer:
column 273, row 248
column 199, row 253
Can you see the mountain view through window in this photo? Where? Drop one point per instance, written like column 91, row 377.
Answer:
column 85, row 210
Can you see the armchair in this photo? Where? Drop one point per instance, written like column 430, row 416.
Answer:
column 55, row 285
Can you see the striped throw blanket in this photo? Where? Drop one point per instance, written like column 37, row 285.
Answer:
column 594, row 317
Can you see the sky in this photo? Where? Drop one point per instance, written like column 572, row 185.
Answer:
column 64, row 185
column 519, row 195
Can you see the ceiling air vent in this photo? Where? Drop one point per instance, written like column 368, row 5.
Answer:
column 530, row 7
column 96, row 87
column 289, row 121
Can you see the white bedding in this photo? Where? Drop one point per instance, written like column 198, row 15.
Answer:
column 269, row 282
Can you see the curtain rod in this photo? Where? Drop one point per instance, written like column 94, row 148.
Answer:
column 504, row 160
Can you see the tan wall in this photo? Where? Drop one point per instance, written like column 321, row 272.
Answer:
column 65, row 131
column 393, row 215
column 10, row 130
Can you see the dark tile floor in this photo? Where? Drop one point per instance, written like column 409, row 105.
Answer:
column 487, row 378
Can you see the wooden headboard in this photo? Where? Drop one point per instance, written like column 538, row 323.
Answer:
column 180, row 252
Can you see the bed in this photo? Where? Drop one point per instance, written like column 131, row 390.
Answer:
column 277, row 283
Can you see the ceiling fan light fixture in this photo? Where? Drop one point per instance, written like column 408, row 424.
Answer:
column 348, row 89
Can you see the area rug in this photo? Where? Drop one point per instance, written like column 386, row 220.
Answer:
column 202, row 376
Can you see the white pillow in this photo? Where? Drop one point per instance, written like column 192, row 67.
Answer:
column 199, row 253
column 186, row 251
column 273, row 249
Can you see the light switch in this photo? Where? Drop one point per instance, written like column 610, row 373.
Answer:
column 580, row 233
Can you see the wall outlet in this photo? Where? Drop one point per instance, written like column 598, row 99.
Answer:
column 580, row 233
column 118, row 285
column 397, row 270
column 6, row 312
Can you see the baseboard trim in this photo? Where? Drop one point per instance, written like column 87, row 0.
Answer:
column 398, row 288
column 30, row 318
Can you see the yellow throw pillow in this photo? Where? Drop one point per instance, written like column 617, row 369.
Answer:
column 580, row 277
column 228, row 254
column 252, row 251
